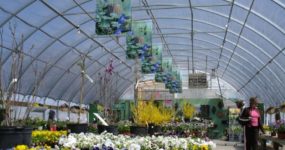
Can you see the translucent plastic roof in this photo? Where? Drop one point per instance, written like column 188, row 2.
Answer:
column 242, row 39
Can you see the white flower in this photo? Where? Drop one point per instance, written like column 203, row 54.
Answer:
column 134, row 147
column 109, row 143
column 70, row 142
column 135, row 143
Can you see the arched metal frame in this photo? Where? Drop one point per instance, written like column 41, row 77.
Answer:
column 235, row 66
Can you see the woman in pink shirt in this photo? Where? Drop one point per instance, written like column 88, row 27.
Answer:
column 253, row 126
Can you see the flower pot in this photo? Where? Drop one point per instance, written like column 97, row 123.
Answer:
column 281, row 135
column 136, row 130
column 78, row 128
column 111, row 129
column 12, row 136
column 187, row 119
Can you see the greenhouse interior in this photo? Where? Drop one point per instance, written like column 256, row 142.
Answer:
column 142, row 74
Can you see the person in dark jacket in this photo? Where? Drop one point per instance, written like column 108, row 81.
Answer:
column 253, row 127
column 242, row 121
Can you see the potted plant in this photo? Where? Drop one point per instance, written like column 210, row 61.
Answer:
column 147, row 114
column 80, row 127
column 12, row 134
column 161, row 116
column 188, row 111
column 124, row 127
column 140, row 118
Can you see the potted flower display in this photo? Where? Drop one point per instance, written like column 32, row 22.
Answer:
column 188, row 111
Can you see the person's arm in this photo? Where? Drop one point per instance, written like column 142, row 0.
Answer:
column 260, row 125
column 244, row 118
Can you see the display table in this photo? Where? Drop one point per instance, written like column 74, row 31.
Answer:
column 275, row 141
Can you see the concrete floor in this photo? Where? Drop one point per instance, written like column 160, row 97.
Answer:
column 226, row 145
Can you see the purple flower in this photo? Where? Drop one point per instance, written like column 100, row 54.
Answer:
column 130, row 33
column 122, row 19
column 118, row 31
column 96, row 148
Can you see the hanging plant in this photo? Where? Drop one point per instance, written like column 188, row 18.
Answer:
column 64, row 107
column 75, row 109
column 282, row 108
column 270, row 110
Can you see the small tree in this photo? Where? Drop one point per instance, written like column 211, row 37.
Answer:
column 8, row 91
column 145, row 113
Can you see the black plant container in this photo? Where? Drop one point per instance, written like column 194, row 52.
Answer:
column 153, row 129
column 78, row 128
column 137, row 130
column 12, row 136
column 111, row 129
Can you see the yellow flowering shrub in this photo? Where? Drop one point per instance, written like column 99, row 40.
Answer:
column 45, row 137
column 188, row 110
column 146, row 112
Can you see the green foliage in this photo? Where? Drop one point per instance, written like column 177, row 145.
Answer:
column 34, row 123
column 281, row 127
column 92, row 129
column 61, row 125
column 124, row 126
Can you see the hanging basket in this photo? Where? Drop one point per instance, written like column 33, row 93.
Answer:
column 282, row 108
column 84, row 110
column 75, row 109
column 64, row 107
column 271, row 110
